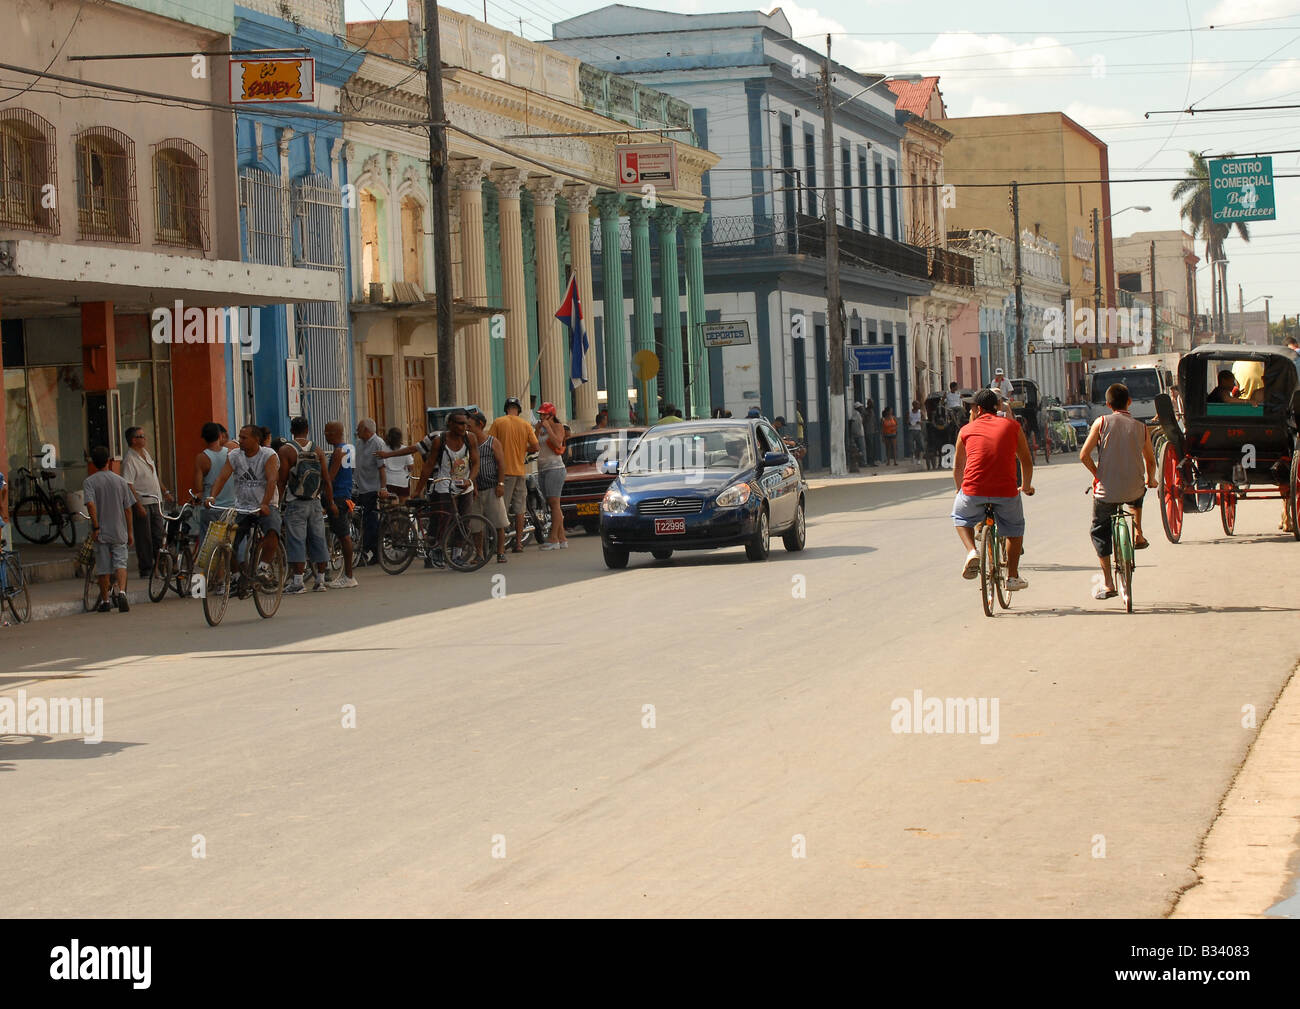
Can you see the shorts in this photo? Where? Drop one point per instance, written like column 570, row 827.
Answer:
column 1101, row 515
column 341, row 524
column 110, row 557
column 1009, row 512
column 516, row 494
column 399, row 492
column 270, row 523
column 491, row 507
column 305, row 532
column 552, row 482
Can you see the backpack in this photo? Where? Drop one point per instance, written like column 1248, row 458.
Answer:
column 305, row 477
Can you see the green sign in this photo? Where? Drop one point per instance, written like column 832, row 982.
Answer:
column 1075, row 355
column 1241, row 189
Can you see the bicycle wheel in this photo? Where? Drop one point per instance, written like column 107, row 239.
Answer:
column 63, row 516
column 1228, row 507
column 335, row 550
column 16, row 595
column 988, row 568
column 34, row 520
column 1004, row 594
column 216, row 584
column 90, row 588
column 184, row 571
column 267, row 601
column 540, row 517
column 161, row 575
column 397, row 541
column 1122, row 560
column 1047, row 448
column 468, row 542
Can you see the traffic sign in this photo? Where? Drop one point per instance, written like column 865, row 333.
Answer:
column 1241, row 189
column 872, row 360
column 1041, row 347
column 726, row 334
column 645, row 363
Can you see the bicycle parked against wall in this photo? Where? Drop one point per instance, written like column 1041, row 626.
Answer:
column 13, row 586
column 173, row 565
column 43, row 513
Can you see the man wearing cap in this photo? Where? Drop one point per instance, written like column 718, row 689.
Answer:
column 517, row 439
column 1002, row 389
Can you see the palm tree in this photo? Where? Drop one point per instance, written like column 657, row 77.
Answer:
column 1194, row 192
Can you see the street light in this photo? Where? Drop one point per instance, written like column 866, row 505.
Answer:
column 1096, row 273
column 883, row 79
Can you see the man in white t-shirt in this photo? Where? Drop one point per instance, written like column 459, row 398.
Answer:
column 952, row 399
column 1003, row 388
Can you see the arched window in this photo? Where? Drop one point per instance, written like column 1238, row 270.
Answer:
column 106, row 210
column 371, row 270
column 413, row 241
column 28, row 185
column 180, row 191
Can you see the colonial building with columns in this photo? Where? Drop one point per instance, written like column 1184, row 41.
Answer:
column 532, row 142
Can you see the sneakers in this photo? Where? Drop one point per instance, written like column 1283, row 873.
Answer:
column 292, row 589
column 971, row 566
column 1016, row 584
column 319, row 586
column 550, row 546
column 563, row 544
column 104, row 606
column 343, row 582
column 122, row 605
column 501, row 558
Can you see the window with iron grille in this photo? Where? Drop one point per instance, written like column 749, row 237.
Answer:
column 106, row 210
column 180, row 194
column 263, row 197
column 27, row 173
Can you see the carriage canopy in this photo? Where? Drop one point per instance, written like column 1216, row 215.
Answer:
column 1272, row 369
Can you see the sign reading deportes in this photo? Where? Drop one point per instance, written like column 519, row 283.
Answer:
column 272, row 80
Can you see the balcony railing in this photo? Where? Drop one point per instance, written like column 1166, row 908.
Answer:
column 948, row 267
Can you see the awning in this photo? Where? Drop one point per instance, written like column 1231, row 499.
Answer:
column 42, row 278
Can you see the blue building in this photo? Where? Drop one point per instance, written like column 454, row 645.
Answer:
column 291, row 177
column 753, row 90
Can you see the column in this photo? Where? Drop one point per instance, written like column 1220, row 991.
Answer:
column 467, row 177
column 670, row 305
column 692, row 227
column 611, row 262
column 643, row 304
column 551, row 334
column 579, row 199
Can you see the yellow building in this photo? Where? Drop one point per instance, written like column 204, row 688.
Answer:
column 1037, row 147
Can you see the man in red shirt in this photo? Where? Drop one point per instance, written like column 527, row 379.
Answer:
column 984, row 470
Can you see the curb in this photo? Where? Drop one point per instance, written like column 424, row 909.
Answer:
column 71, row 607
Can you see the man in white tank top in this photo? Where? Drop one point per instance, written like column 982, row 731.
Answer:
column 1125, row 467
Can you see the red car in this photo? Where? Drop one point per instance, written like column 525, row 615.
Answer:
column 584, row 485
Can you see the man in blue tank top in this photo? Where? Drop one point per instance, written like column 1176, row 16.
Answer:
column 341, row 465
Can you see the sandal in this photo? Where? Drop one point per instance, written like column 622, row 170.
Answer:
column 1141, row 543
column 1101, row 592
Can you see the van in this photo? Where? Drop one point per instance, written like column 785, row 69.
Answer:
column 1145, row 377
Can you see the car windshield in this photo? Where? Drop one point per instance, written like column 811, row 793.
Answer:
column 673, row 451
column 591, row 446
column 1140, row 384
column 1077, row 412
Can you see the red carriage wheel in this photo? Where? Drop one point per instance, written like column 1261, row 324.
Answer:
column 1171, row 494
column 1228, row 507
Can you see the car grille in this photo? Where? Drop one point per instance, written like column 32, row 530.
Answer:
column 671, row 506
column 586, row 487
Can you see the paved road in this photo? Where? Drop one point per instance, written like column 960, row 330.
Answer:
column 517, row 722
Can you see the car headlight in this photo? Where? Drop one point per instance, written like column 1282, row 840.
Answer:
column 613, row 501
column 734, row 496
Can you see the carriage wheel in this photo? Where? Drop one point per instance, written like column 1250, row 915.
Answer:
column 1228, row 507
column 1171, row 495
column 1293, row 500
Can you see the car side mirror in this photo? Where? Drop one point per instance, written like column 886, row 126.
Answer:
column 609, row 467
column 775, row 458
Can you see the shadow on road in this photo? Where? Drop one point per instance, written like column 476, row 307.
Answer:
column 30, row 747
column 1139, row 609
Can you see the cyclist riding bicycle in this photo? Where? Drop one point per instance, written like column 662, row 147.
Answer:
column 1125, row 468
column 984, row 470
column 255, row 470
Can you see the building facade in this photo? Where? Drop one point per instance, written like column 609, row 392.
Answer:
column 1175, row 267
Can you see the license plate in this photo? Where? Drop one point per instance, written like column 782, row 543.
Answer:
column 589, row 508
column 668, row 527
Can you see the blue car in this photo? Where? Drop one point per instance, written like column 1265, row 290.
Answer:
column 700, row 485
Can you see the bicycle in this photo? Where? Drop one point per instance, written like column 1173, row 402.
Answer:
column 13, row 586
column 225, row 576
column 335, row 546
column 42, row 514
column 173, row 565
column 993, row 563
column 537, row 516
column 466, row 541
column 1121, row 551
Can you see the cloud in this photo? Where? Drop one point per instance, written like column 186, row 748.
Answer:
column 1094, row 117
column 1283, row 79
column 1236, row 11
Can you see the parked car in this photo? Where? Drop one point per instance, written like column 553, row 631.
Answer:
column 1059, row 429
column 584, row 484
column 1078, row 414
column 704, row 484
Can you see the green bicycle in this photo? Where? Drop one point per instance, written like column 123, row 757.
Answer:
column 1122, row 552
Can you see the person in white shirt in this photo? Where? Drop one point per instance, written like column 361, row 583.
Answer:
column 140, row 471
column 397, row 468
column 952, row 399
column 1003, row 388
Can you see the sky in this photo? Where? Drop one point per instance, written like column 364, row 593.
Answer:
column 1106, row 64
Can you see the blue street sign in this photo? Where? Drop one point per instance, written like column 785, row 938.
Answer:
column 875, row 359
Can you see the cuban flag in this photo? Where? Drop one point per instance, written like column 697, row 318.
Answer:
column 570, row 314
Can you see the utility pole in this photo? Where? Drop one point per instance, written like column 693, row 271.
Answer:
column 1155, row 312
column 1241, row 313
column 1020, row 301
column 1096, row 283
column 440, row 196
column 834, row 310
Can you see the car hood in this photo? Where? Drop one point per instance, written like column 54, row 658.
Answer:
column 582, row 471
column 693, row 483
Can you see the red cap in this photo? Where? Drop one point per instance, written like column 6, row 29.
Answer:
column 546, row 408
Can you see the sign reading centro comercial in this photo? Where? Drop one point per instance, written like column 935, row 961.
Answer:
column 1241, row 189
column 639, row 164
column 272, row 80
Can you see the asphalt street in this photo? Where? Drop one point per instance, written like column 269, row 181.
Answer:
column 704, row 736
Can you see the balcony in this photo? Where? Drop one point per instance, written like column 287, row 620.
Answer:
column 948, row 267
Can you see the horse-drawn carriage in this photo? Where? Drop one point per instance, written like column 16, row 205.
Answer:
column 1237, row 437
column 1027, row 406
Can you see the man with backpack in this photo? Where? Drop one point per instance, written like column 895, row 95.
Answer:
column 302, row 482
